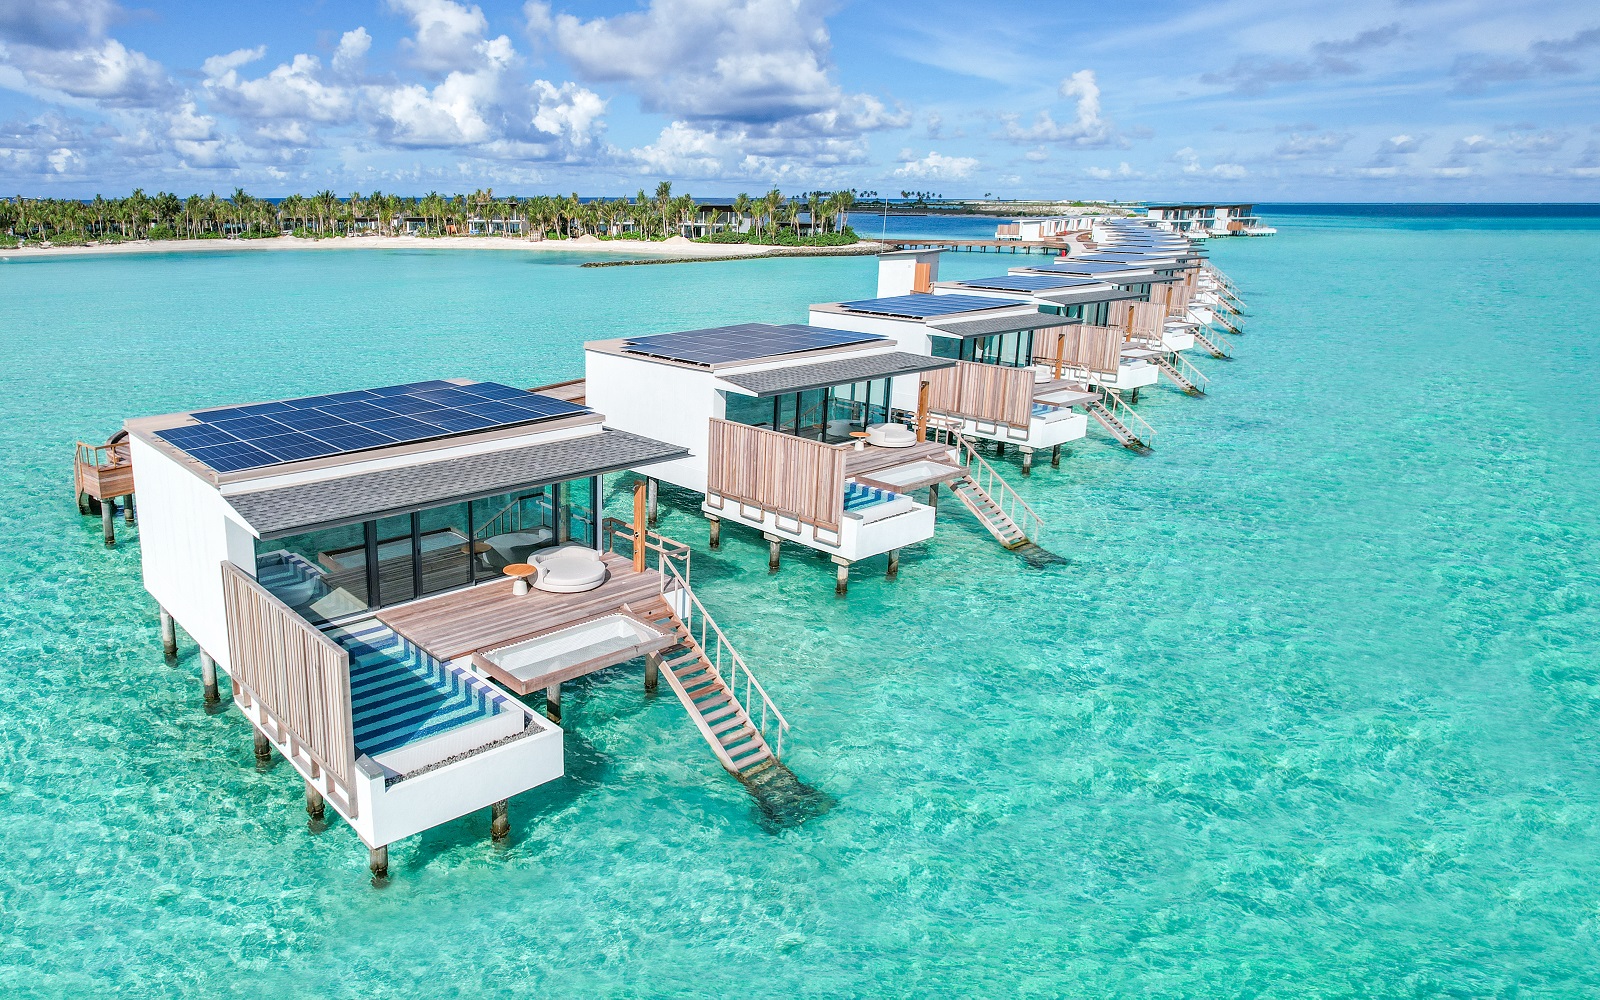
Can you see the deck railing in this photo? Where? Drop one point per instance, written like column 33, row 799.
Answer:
column 1009, row 501
column 992, row 394
column 103, row 470
column 1187, row 369
column 725, row 661
column 1129, row 417
column 781, row 474
column 298, row 676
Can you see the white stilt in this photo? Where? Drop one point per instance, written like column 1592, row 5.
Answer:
column 169, row 635
column 773, row 554
column 894, row 563
column 552, row 702
column 841, row 582
column 263, row 747
column 208, row 678
column 652, row 671
column 1027, row 461
column 650, row 501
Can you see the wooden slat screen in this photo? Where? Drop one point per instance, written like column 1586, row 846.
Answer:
column 993, row 394
column 1096, row 348
column 300, row 676
column 781, row 473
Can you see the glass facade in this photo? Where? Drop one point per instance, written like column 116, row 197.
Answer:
column 818, row 414
column 337, row 572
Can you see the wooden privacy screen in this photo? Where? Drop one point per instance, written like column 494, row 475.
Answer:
column 786, row 475
column 300, row 676
column 922, row 278
column 993, row 394
column 1096, row 348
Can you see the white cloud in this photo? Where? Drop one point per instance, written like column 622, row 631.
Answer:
column 1087, row 128
column 762, row 66
column 292, row 90
column 1190, row 161
column 569, row 111
column 1124, row 171
column 352, row 51
column 104, row 71
column 935, row 166
column 1300, row 145
column 449, row 36
column 1399, row 144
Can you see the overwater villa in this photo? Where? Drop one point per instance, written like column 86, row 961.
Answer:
column 991, row 392
column 1201, row 221
column 380, row 573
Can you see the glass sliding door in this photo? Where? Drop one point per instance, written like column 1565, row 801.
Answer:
column 396, row 559
column 320, row 574
column 446, row 548
column 812, row 410
column 512, row 526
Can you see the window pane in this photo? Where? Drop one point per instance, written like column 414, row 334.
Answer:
column 395, row 580
column 513, row 525
column 946, row 347
column 446, row 556
column 813, row 413
column 580, row 511
column 752, row 410
column 321, row 574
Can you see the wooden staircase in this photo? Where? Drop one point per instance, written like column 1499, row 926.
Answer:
column 1218, row 348
column 1119, row 430
column 976, row 499
column 709, row 698
column 1182, row 381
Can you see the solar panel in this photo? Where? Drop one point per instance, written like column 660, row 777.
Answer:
column 924, row 305
column 744, row 342
column 1027, row 282
column 1087, row 267
column 235, row 438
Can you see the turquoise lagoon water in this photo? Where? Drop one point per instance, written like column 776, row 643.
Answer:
column 1311, row 711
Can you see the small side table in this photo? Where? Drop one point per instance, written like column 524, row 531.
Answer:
column 476, row 550
column 861, row 439
column 520, row 572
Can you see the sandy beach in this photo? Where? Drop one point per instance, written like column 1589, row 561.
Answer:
column 677, row 246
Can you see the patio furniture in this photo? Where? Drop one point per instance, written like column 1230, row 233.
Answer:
column 568, row 569
column 520, row 573
column 516, row 546
column 891, row 436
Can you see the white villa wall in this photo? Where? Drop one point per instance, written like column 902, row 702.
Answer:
column 897, row 272
column 858, row 537
column 186, row 530
column 667, row 402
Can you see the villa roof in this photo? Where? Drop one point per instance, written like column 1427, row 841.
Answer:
column 369, row 495
column 796, row 378
column 996, row 324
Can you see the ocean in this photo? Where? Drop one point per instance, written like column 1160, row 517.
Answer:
column 1311, row 710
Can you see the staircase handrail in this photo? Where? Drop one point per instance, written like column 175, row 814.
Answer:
column 1122, row 411
column 666, row 549
column 1009, row 500
column 1189, row 371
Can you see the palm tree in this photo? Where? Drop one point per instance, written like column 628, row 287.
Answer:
column 741, row 208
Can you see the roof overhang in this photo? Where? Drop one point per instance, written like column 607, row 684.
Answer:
column 988, row 325
column 365, row 496
column 798, row 378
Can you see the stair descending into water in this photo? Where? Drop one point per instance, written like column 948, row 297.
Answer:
column 1178, row 378
column 1119, row 430
column 1218, row 347
column 976, row 499
column 399, row 694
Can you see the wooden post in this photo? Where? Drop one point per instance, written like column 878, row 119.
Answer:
column 263, row 747
column 1000, row 449
column 127, row 510
column 640, row 532
column 208, row 680
column 933, row 496
column 652, row 671
column 1027, row 461
column 500, row 820
column 894, row 563
column 922, row 410
column 716, row 532
column 1061, row 351
column 316, row 808
column 108, row 520
column 841, row 582
column 552, row 702
column 1055, row 456
column 652, row 486
column 378, row 862
column 169, row 635
column 772, row 553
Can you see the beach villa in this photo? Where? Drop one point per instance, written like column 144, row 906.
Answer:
column 377, row 573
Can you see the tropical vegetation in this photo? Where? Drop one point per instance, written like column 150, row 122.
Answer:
column 816, row 217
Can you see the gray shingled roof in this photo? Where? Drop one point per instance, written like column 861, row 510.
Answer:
column 1077, row 296
column 369, row 495
column 795, row 378
column 998, row 324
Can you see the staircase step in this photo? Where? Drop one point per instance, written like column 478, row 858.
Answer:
column 718, row 714
column 744, row 763
column 735, row 720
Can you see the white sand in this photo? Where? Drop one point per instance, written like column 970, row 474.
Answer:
column 676, row 247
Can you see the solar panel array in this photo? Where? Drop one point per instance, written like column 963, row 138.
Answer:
column 236, row 438
column 1028, row 282
column 924, row 305
column 1087, row 267
column 744, row 342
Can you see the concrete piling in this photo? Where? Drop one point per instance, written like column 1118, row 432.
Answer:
column 894, row 563
column 552, row 703
column 108, row 521
column 316, row 807
column 1027, row 461
column 933, row 496
column 773, row 553
column 208, row 681
column 263, row 747
column 128, row 515
column 841, row 582
column 650, row 501
column 378, row 861
column 1055, row 456
column 169, row 635
column 716, row 532
column 652, row 671
column 500, row 821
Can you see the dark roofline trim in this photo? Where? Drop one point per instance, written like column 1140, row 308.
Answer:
column 770, row 382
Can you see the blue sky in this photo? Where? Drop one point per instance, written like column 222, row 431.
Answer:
column 1415, row 100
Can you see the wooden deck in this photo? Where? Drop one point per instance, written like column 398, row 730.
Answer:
column 103, row 471
column 869, row 459
column 490, row 615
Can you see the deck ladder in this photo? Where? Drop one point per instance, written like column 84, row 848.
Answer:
column 991, row 499
column 1120, row 419
column 1182, row 372
column 1213, row 342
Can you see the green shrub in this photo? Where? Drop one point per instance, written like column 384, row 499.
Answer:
column 8, row 242
column 162, row 233
column 784, row 238
column 69, row 239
